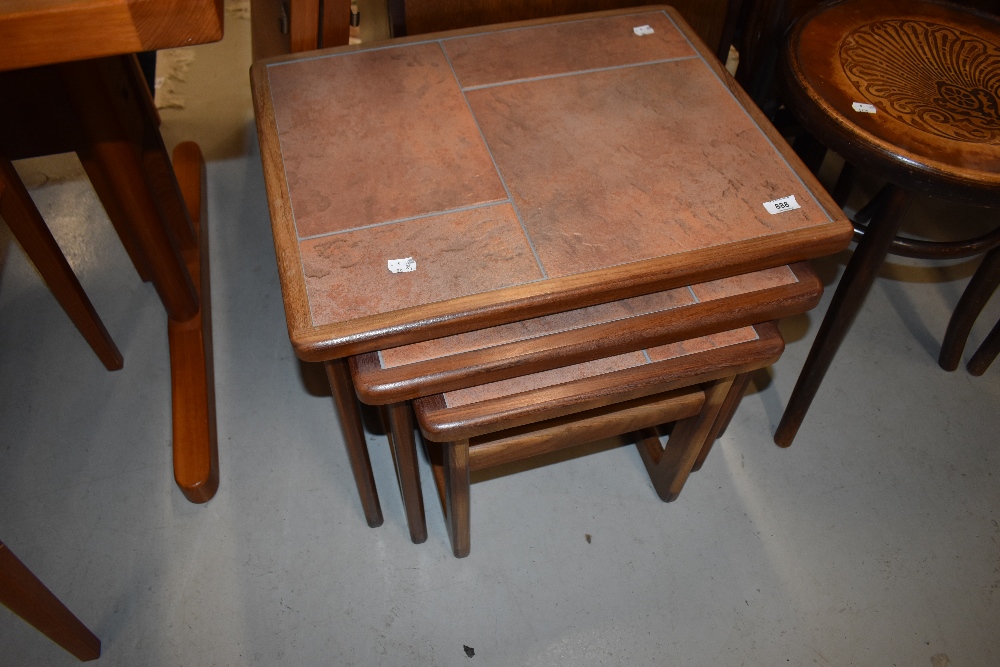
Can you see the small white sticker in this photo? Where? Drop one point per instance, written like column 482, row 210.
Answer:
column 642, row 30
column 781, row 205
column 404, row 265
column 863, row 107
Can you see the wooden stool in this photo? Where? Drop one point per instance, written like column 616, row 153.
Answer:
column 392, row 377
column 886, row 84
column 688, row 382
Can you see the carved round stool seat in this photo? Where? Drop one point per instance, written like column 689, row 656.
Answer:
column 909, row 91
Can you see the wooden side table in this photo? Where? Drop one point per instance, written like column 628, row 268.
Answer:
column 93, row 101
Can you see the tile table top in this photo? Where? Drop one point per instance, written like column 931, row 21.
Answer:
column 527, row 170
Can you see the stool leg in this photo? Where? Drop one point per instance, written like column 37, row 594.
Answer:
column 456, row 485
column 669, row 467
column 986, row 353
column 847, row 301
column 979, row 290
column 27, row 226
column 23, row 593
column 339, row 376
column 729, row 406
column 405, row 450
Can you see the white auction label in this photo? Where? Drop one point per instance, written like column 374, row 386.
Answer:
column 643, row 30
column 781, row 205
column 404, row 265
column 863, row 107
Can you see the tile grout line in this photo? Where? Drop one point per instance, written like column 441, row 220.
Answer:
column 489, row 151
column 561, row 75
column 419, row 216
column 752, row 121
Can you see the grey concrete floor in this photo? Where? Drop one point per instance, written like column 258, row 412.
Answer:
column 873, row 540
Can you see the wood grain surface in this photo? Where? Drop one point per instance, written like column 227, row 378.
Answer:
column 42, row 32
column 932, row 72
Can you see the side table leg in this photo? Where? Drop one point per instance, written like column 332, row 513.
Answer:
column 847, row 301
column 405, row 448
column 354, row 438
column 729, row 406
column 23, row 593
column 196, row 449
column 669, row 466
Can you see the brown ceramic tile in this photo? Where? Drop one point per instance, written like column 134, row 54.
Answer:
column 457, row 254
column 744, row 284
column 703, row 344
column 687, row 169
column 377, row 135
column 565, row 47
column 535, row 328
column 544, row 379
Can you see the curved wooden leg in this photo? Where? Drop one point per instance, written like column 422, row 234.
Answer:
column 339, row 376
column 23, row 593
column 986, row 353
column 979, row 290
column 31, row 232
column 729, row 406
column 669, row 467
column 405, row 449
column 196, row 448
column 847, row 301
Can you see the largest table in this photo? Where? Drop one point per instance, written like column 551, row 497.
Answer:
column 526, row 169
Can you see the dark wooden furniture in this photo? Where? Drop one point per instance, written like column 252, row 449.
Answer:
column 713, row 20
column 553, row 190
column 25, row 595
column 501, row 422
column 984, row 282
column 278, row 27
column 598, row 335
column 95, row 102
column 932, row 72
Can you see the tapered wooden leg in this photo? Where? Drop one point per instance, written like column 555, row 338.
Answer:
column 116, row 214
column 847, row 301
column 405, row 450
column 845, row 183
column 31, row 232
column 196, row 449
column 26, row 596
column 456, row 487
column 351, row 427
column 112, row 118
column 729, row 406
column 979, row 290
column 986, row 353
column 669, row 467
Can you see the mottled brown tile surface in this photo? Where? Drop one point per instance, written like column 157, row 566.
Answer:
column 635, row 163
column 744, row 284
column 535, row 328
column 564, row 47
column 377, row 135
column 544, row 379
column 457, row 254
column 703, row 344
